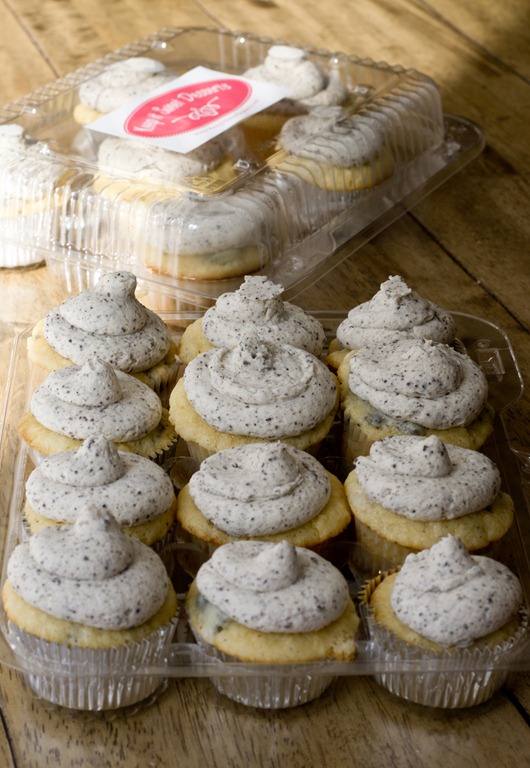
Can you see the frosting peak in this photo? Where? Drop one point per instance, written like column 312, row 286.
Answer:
column 96, row 462
column 424, row 479
column 93, row 384
column 260, row 389
column 273, row 587
column 453, row 598
column 420, row 381
column 395, row 311
column 109, row 322
column 257, row 308
column 98, row 548
column 260, row 488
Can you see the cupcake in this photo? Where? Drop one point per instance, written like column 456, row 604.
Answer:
column 305, row 82
column 87, row 608
column 411, row 491
column 255, row 392
column 31, row 183
column 256, row 308
column 413, row 386
column 263, row 491
column 334, row 151
column 395, row 312
column 109, row 322
column 78, row 402
column 264, row 603
column 137, row 491
column 117, row 84
column 456, row 620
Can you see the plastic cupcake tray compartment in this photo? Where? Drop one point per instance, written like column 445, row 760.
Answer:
column 486, row 343
column 73, row 197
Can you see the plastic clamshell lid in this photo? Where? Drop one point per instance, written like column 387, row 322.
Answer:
column 296, row 179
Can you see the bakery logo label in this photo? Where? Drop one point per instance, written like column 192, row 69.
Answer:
column 189, row 111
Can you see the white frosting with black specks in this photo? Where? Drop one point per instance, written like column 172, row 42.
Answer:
column 258, row 489
column 260, row 389
column 453, row 598
column 156, row 165
column 123, row 81
column 291, row 68
column 395, row 312
column 82, row 401
column 108, row 321
column 273, row 587
column 329, row 135
column 29, row 170
column 132, row 487
column 89, row 572
column 256, row 308
column 419, row 381
column 424, row 479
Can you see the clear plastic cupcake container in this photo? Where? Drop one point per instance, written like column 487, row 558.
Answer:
column 268, row 689
column 269, row 216
column 90, row 679
column 459, row 681
column 452, row 679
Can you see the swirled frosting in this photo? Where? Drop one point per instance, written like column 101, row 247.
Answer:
column 329, row 135
column 273, row 587
column 122, row 81
column 419, row 381
column 262, row 488
column 260, row 389
column 422, row 478
column 89, row 572
column 81, row 401
column 453, row 598
column 29, row 170
column 290, row 68
column 134, row 488
column 155, row 165
column 110, row 322
column 395, row 312
column 256, row 308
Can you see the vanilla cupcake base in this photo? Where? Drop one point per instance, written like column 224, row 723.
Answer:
column 388, row 537
column 230, row 641
column 203, row 440
column 448, row 678
column 83, row 677
column 158, row 445
column 363, row 425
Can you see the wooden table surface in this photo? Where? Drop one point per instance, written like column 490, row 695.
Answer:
column 467, row 246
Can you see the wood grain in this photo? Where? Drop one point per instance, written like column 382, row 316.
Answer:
column 466, row 246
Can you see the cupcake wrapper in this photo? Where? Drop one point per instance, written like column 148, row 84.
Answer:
column 111, row 682
column 266, row 691
column 354, row 441
column 462, row 678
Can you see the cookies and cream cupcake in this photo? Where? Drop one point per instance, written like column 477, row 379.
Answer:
column 266, row 491
column 88, row 597
column 137, row 491
column 454, row 618
column 394, row 312
column 117, row 84
column 265, row 603
column 413, row 386
column 255, row 308
column 410, row 491
column 257, row 391
column 31, row 187
column 109, row 322
column 335, row 151
column 78, row 402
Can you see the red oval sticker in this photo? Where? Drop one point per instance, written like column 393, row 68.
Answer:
column 187, row 108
